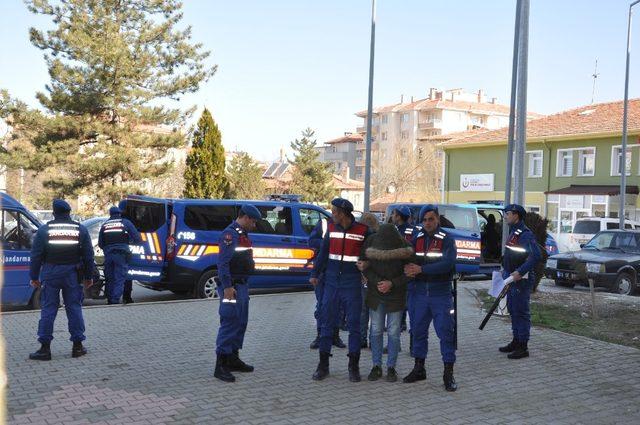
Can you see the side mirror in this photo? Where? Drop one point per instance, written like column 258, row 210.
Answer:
column 582, row 245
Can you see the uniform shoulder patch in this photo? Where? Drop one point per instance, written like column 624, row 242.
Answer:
column 227, row 239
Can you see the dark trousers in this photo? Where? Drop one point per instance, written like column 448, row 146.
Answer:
column 234, row 318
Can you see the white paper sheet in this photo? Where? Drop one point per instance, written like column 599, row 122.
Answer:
column 497, row 283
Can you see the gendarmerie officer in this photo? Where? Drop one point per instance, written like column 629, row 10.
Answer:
column 340, row 251
column 521, row 254
column 400, row 216
column 61, row 256
column 235, row 264
column 430, row 295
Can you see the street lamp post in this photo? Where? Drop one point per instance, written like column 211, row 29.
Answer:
column 367, row 163
column 623, row 155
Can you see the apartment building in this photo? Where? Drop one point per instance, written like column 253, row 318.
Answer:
column 404, row 134
column 345, row 153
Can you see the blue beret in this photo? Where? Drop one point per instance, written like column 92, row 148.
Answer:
column 251, row 211
column 516, row 209
column 343, row 204
column 60, row 206
column 426, row 209
column 115, row 211
column 403, row 210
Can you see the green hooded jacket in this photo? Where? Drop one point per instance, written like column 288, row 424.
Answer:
column 387, row 252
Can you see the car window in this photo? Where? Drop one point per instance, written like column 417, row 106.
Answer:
column 94, row 231
column 589, row 227
column 459, row 218
column 309, row 218
column 209, row 217
column 627, row 241
column 612, row 226
column 16, row 230
column 601, row 240
column 276, row 220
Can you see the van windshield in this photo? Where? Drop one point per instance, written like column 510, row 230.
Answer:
column 589, row 227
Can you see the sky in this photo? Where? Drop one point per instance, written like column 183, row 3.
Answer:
column 285, row 65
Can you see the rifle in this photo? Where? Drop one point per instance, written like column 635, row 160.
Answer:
column 455, row 311
column 495, row 304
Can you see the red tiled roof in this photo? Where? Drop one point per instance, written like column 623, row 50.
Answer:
column 355, row 137
column 340, row 182
column 599, row 119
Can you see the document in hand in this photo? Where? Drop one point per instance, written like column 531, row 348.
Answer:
column 498, row 284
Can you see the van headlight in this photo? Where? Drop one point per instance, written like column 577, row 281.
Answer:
column 595, row 267
column 552, row 263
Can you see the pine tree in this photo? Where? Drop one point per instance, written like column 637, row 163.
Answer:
column 245, row 178
column 112, row 64
column 204, row 175
column 311, row 178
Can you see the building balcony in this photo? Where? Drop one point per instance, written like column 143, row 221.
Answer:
column 431, row 124
column 335, row 156
column 363, row 129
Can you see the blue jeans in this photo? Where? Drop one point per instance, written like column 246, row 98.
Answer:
column 378, row 319
column 364, row 316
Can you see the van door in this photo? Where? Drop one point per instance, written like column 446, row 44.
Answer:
column 16, row 233
column 150, row 217
column 276, row 249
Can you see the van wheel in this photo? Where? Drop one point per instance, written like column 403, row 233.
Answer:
column 625, row 284
column 206, row 287
column 35, row 299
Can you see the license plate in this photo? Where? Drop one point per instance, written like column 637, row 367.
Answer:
column 564, row 275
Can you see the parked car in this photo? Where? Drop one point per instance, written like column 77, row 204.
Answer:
column 180, row 242
column 585, row 228
column 93, row 225
column 611, row 259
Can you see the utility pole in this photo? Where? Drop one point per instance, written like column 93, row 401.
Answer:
column 367, row 164
column 521, row 108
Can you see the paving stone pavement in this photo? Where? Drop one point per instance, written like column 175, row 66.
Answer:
column 153, row 364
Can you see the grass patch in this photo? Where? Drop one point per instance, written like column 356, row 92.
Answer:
column 620, row 325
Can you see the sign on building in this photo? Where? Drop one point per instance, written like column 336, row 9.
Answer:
column 476, row 182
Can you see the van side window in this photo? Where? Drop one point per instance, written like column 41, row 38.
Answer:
column 146, row 216
column 309, row 218
column 16, row 230
column 276, row 220
column 209, row 217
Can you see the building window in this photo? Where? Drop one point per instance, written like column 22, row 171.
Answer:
column 587, row 162
column 616, row 154
column 385, row 119
column 535, row 164
column 404, row 135
column 565, row 163
column 404, row 118
column 384, row 135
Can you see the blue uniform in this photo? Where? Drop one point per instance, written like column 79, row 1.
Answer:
column 114, row 238
column 315, row 242
column 521, row 253
column 234, row 317
column 61, row 251
column 430, row 294
column 339, row 253
column 406, row 231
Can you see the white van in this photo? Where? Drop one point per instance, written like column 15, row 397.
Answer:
column 585, row 228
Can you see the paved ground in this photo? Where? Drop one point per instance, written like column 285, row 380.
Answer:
column 153, row 364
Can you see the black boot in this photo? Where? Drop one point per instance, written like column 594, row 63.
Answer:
column 234, row 364
column 354, row 367
column 417, row 374
column 127, row 300
column 316, row 342
column 520, row 352
column 222, row 372
column 363, row 344
column 44, row 353
column 337, row 341
column 447, row 377
column 78, row 350
column 509, row 348
column 323, row 367
column 375, row 374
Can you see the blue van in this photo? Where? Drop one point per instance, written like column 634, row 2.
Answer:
column 17, row 230
column 463, row 222
column 180, row 242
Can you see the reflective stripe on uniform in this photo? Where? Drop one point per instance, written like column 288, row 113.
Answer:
column 347, row 258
